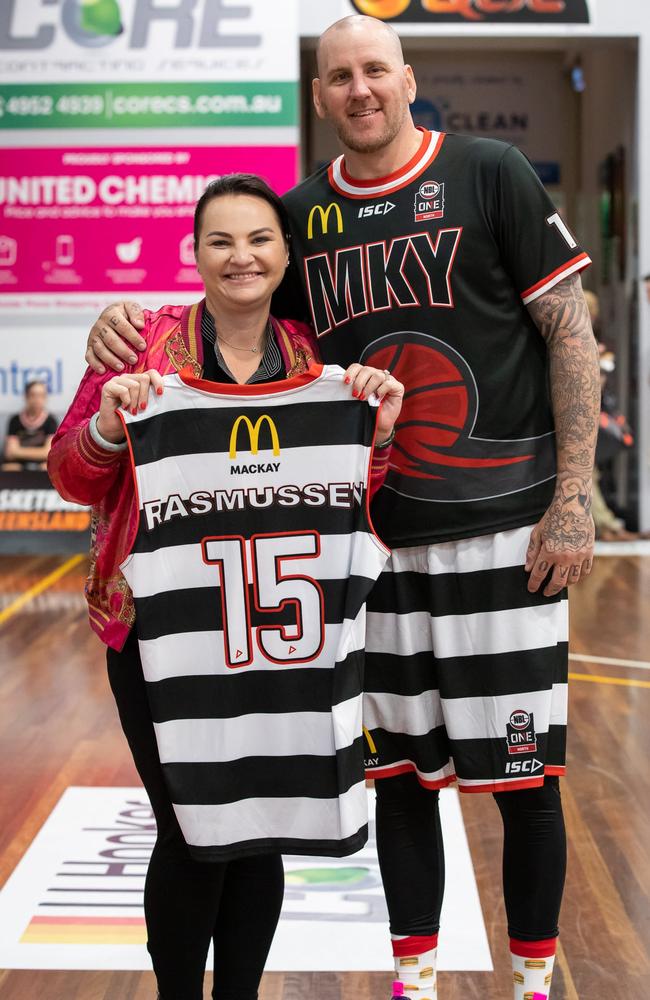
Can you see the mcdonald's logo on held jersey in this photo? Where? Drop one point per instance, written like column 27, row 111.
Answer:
column 324, row 214
column 254, row 434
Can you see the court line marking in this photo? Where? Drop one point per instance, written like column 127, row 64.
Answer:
column 39, row 587
column 634, row 664
column 623, row 681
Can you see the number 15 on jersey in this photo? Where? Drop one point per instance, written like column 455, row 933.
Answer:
column 270, row 592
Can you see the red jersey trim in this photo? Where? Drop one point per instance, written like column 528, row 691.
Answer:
column 382, row 545
column 380, row 187
column 373, row 773
column 389, row 178
column 575, row 264
column 258, row 389
column 508, row 784
column 135, row 527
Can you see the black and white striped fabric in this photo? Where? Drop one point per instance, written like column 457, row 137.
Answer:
column 466, row 671
column 250, row 569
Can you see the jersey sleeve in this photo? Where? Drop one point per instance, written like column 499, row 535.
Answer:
column 536, row 247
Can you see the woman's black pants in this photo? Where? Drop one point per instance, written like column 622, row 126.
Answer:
column 188, row 903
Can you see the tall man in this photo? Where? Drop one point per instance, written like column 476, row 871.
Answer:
column 441, row 258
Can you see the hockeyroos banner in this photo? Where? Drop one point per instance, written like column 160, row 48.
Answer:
column 478, row 11
column 75, row 899
column 100, row 220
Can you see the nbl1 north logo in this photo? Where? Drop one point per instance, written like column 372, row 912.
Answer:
column 429, row 201
column 520, row 732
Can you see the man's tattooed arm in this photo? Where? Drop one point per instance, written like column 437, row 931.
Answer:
column 565, row 535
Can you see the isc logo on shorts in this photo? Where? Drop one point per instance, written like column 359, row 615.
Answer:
column 520, row 733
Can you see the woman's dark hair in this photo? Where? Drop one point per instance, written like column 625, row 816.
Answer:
column 249, row 184
column 30, row 385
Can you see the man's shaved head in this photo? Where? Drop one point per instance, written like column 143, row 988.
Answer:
column 359, row 25
column 364, row 87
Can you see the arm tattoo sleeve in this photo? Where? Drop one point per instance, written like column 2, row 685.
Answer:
column 562, row 318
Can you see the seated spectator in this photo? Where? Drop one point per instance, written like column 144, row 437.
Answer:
column 30, row 432
column 614, row 435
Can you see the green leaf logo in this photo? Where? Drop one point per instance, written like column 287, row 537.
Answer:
column 101, row 17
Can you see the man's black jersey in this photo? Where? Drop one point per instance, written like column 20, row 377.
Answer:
column 427, row 273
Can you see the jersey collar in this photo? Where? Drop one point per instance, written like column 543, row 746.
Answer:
column 348, row 186
column 256, row 389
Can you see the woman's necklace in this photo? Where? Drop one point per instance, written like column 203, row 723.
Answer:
column 255, row 349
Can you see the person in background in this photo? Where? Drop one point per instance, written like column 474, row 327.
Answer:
column 609, row 527
column 30, row 432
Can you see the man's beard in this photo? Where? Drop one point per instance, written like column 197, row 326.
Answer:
column 359, row 144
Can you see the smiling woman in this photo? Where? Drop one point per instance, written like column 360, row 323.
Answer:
column 229, row 338
column 241, row 254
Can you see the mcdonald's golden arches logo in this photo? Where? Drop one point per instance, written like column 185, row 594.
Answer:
column 254, row 434
column 324, row 214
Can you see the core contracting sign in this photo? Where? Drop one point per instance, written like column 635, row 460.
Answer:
column 477, row 11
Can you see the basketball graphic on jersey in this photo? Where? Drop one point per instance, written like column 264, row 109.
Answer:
column 434, row 434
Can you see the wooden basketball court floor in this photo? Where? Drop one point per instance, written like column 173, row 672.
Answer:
column 60, row 728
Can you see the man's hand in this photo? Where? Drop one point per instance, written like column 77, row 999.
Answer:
column 113, row 336
column 365, row 380
column 562, row 543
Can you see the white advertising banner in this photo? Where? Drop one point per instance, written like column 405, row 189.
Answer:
column 137, row 40
column 75, row 899
column 50, row 351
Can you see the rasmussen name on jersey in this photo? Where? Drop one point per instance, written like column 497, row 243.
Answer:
column 208, row 502
column 338, row 288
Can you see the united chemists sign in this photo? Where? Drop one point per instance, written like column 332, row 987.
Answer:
column 96, row 175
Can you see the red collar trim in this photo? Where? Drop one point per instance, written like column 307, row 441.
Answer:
column 260, row 389
column 348, row 186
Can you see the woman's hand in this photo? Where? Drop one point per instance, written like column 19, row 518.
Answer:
column 130, row 392
column 365, row 380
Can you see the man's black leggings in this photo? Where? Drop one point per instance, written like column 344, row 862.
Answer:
column 409, row 842
column 189, row 903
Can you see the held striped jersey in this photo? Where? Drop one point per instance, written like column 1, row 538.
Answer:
column 252, row 561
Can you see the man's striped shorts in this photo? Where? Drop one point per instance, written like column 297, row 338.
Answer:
column 466, row 671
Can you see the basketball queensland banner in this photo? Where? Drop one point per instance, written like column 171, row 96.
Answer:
column 34, row 518
column 478, row 11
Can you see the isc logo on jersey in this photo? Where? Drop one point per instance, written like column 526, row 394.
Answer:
column 429, row 201
column 381, row 208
